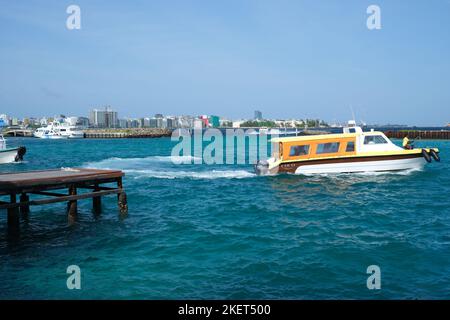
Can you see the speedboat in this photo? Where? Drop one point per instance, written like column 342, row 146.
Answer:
column 350, row 151
column 57, row 130
column 8, row 155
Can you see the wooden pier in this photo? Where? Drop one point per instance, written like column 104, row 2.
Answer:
column 20, row 186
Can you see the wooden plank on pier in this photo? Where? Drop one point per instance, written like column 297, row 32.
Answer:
column 54, row 178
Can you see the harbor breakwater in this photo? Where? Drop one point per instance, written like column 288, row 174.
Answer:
column 127, row 133
column 442, row 134
column 419, row 134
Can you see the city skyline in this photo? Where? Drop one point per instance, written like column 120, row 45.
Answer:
column 287, row 59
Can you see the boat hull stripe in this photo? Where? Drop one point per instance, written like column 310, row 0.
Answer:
column 293, row 165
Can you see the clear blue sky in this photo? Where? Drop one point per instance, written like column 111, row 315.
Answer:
column 285, row 58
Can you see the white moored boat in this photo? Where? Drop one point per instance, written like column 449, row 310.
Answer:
column 8, row 155
column 57, row 130
column 350, row 151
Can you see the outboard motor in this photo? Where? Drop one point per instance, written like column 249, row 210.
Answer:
column 262, row 167
column 434, row 155
column 20, row 153
column 426, row 155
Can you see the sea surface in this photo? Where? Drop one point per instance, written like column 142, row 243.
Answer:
column 202, row 231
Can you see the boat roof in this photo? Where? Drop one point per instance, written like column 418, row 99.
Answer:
column 320, row 137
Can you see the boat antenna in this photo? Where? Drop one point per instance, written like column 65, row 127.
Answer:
column 353, row 114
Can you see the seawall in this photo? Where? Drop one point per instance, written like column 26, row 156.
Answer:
column 127, row 133
column 419, row 134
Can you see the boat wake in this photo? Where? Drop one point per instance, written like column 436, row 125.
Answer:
column 212, row 174
column 133, row 163
column 167, row 167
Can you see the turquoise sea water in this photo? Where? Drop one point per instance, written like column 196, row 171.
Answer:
column 198, row 231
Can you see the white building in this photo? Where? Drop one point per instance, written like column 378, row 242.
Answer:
column 198, row 124
column 237, row 123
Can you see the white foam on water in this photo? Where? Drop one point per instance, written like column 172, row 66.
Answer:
column 157, row 167
column 130, row 163
column 212, row 174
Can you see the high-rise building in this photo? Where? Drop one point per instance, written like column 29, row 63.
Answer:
column 258, row 115
column 153, row 123
column 103, row 118
column 122, row 123
column 170, row 123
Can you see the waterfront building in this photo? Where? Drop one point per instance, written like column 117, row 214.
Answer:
column 103, row 118
column 82, row 122
column 214, row 121
column 205, row 120
column 198, row 124
column 135, row 123
column 258, row 115
column 237, row 123
column 122, row 123
column 185, row 122
column 170, row 123
column 153, row 123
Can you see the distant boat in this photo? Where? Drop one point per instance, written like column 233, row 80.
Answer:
column 9, row 155
column 57, row 130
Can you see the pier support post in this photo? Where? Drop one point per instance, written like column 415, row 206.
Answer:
column 97, row 202
column 72, row 205
column 123, row 205
column 24, row 208
column 122, row 198
column 13, row 213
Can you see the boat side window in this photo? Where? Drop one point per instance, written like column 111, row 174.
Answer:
column 296, row 151
column 374, row 140
column 331, row 147
column 350, row 146
column 351, row 130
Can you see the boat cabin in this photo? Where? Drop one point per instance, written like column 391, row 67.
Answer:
column 351, row 142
